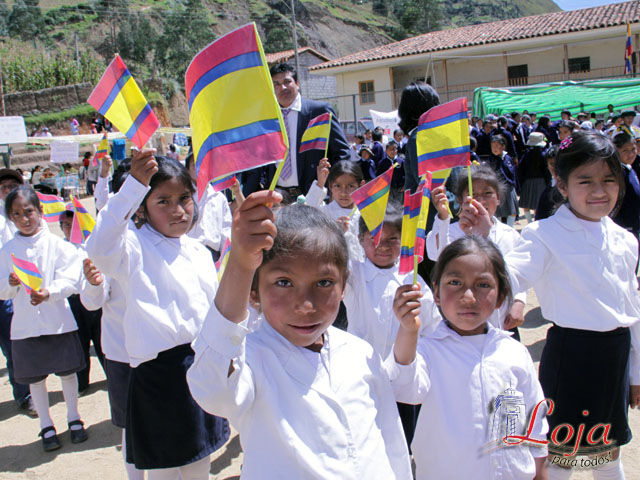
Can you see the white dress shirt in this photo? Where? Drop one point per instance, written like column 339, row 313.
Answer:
column 583, row 278
column 111, row 298
column 457, row 380
column 502, row 235
column 60, row 267
column 315, row 198
column 214, row 220
column 332, row 417
column 369, row 300
column 101, row 192
column 169, row 283
column 292, row 129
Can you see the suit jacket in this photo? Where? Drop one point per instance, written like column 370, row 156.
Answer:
column 306, row 162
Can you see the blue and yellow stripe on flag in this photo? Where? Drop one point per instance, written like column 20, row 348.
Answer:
column 83, row 222
column 440, row 177
column 628, row 51
column 411, row 213
column 371, row 199
column 119, row 99
column 421, row 234
column 28, row 274
column 52, row 207
column 443, row 137
column 235, row 118
column 222, row 183
column 316, row 136
column 221, row 264
column 103, row 150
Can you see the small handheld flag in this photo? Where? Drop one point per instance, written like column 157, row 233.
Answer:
column 119, row 99
column 371, row 199
column 83, row 222
column 223, row 183
column 316, row 136
column 443, row 137
column 628, row 52
column 236, row 120
column 28, row 274
column 103, row 150
column 221, row 264
column 414, row 222
column 52, row 207
column 421, row 230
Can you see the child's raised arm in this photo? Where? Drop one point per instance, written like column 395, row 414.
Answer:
column 101, row 190
column 253, row 231
column 406, row 307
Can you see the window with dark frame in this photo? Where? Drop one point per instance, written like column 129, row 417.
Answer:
column 518, row 75
column 579, row 64
column 367, row 94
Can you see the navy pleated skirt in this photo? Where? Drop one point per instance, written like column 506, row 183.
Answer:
column 165, row 427
column 586, row 375
column 118, row 388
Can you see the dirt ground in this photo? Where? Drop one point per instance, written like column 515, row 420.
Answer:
column 21, row 455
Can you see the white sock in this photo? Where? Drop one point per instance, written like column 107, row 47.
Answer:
column 40, row 398
column 164, row 474
column 197, row 470
column 609, row 471
column 558, row 473
column 132, row 472
column 511, row 220
column 70, row 393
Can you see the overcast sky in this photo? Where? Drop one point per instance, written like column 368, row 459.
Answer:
column 576, row 4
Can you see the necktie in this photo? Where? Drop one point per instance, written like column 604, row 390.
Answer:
column 286, row 169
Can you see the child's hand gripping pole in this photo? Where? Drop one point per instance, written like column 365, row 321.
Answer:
column 143, row 165
column 406, row 307
column 253, row 231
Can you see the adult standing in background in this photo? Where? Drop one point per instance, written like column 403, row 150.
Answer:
column 299, row 170
column 417, row 98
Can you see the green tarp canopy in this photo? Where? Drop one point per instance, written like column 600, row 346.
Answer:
column 552, row 98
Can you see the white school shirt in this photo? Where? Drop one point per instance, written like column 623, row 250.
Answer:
column 111, row 298
column 457, row 380
column 101, row 192
column 582, row 280
column 369, row 298
column 214, row 220
column 315, row 198
column 502, row 235
column 169, row 283
column 335, row 419
column 292, row 129
column 60, row 267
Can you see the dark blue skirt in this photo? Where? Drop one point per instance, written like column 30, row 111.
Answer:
column 586, row 371
column 165, row 427
column 118, row 388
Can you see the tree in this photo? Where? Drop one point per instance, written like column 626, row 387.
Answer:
column 418, row 16
column 26, row 20
column 135, row 37
column 4, row 18
column 379, row 7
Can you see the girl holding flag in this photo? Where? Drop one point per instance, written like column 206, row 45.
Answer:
column 41, row 271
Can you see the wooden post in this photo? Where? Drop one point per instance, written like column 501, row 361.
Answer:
column 394, row 104
column 506, row 69
column 566, row 62
column 446, row 78
column 636, row 52
column 4, row 113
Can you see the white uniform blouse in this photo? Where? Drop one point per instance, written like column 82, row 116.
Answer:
column 329, row 415
column 169, row 283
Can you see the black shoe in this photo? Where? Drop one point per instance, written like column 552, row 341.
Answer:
column 50, row 443
column 80, row 435
column 28, row 408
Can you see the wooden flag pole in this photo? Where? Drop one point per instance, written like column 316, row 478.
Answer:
column 326, row 147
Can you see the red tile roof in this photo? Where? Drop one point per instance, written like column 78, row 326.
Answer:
column 285, row 55
column 502, row 31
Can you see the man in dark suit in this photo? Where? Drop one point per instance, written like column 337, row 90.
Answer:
column 299, row 170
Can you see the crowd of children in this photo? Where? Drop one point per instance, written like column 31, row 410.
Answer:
column 327, row 360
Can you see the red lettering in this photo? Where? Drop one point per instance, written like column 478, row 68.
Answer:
column 518, row 439
column 578, row 438
column 605, row 434
column 554, row 434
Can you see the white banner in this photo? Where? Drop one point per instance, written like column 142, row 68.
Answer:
column 64, row 152
column 12, row 130
column 387, row 120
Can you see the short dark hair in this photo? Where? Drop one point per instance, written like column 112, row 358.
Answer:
column 306, row 231
column 284, row 68
column 622, row 138
column 66, row 214
column 475, row 244
column 479, row 172
column 376, row 136
column 498, row 139
column 345, row 167
column 417, row 98
column 24, row 191
column 121, row 173
column 567, row 124
column 392, row 217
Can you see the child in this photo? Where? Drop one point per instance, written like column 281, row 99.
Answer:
column 44, row 337
column 169, row 283
column 487, row 190
column 88, row 320
column 551, row 198
column 628, row 213
column 366, row 164
column 582, row 267
column 102, row 292
column 343, row 179
column 308, row 400
column 464, row 370
column 532, row 174
column 504, row 167
column 391, row 157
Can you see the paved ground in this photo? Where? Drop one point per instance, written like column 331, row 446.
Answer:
column 21, row 456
